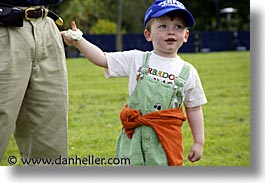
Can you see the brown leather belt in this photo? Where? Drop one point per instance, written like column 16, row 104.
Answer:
column 34, row 13
column 13, row 16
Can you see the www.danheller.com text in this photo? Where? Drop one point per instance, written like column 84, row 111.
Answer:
column 90, row 160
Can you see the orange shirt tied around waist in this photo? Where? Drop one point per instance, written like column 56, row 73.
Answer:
column 167, row 125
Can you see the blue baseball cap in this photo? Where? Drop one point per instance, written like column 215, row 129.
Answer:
column 162, row 7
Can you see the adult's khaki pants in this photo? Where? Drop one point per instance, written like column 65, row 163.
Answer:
column 33, row 89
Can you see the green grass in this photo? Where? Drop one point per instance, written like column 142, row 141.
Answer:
column 95, row 103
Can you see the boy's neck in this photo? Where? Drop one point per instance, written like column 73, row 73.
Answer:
column 172, row 55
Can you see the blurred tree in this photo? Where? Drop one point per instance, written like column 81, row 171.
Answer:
column 206, row 13
column 133, row 15
column 208, row 17
column 103, row 26
column 119, row 26
column 85, row 13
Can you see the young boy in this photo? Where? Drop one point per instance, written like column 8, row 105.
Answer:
column 159, row 82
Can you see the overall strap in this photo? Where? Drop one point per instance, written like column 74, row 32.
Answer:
column 145, row 65
column 180, row 81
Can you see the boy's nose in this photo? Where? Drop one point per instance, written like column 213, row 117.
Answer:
column 171, row 30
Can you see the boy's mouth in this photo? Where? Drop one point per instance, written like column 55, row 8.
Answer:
column 171, row 40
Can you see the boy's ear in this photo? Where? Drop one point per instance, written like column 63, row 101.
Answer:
column 147, row 35
column 186, row 36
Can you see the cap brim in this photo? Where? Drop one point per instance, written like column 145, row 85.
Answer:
column 189, row 18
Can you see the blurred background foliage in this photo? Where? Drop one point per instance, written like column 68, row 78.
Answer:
column 105, row 17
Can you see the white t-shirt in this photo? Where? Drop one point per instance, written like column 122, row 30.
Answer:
column 129, row 63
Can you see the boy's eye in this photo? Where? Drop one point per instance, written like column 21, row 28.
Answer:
column 178, row 27
column 162, row 26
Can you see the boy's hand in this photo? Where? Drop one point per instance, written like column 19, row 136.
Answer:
column 72, row 35
column 196, row 152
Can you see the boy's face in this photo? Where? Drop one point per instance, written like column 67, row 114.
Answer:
column 167, row 35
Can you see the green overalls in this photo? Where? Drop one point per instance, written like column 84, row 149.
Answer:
column 149, row 95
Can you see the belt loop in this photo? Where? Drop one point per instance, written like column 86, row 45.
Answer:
column 42, row 12
column 45, row 12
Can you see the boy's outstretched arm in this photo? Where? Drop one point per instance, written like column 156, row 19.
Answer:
column 90, row 51
column 195, row 119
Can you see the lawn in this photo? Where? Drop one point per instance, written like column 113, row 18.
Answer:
column 95, row 103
